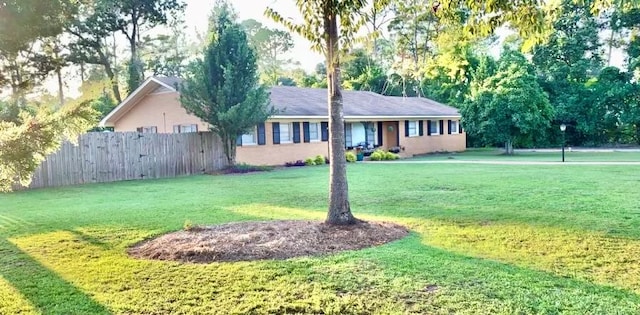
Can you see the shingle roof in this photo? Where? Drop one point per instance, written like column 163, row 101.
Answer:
column 170, row 81
column 297, row 101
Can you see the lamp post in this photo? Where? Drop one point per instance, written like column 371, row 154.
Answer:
column 563, row 127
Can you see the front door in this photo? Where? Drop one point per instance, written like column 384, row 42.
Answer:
column 390, row 135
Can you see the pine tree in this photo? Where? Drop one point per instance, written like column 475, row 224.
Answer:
column 223, row 88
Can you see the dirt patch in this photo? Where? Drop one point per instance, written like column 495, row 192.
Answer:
column 244, row 241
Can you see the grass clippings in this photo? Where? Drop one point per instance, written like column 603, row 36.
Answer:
column 248, row 241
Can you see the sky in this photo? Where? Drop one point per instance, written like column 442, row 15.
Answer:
column 197, row 13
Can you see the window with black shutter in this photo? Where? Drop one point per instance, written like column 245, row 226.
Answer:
column 296, row 132
column 406, row 128
column 276, row 132
column 325, row 131
column 262, row 137
column 306, row 137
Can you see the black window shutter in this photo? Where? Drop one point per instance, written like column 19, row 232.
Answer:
column 428, row 127
column 449, row 127
column 421, row 128
column 325, row 131
column 305, row 132
column 380, row 133
column 296, row 132
column 459, row 126
column 239, row 141
column 262, row 137
column 406, row 128
column 276, row 133
column 441, row 127
column 139, row 129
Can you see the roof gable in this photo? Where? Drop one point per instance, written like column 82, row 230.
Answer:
column 150, row 85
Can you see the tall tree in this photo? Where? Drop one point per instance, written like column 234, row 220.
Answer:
column 54, row 50
column 530, row 18
column 328, row 24
column 23, row 27
column 168, row 54
column 377, row 16
column 223, row 89
column 509, row 106
column 91, row 35
column 132, row 18
column 448, row 73
column 569, row 58
column 271, row 45
column 614, row 101
column 362, row 72
column 630, row 115
column 413, row 28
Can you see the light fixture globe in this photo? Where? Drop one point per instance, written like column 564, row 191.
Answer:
column 563, row 127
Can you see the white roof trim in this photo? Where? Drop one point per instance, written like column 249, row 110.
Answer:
column 172, row 88
column 103, row 122
column 367, row 117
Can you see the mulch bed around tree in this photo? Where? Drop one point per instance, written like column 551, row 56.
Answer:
column 245, row 241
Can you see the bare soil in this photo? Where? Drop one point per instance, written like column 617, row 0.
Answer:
column 246, row 241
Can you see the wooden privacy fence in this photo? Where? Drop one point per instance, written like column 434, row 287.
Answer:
column 115, row 156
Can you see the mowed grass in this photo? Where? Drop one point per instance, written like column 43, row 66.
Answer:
column 537, row 156
column 486, row 239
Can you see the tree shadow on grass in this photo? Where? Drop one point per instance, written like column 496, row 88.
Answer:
column 472, row 281
column 93, row 240
column 43, row 288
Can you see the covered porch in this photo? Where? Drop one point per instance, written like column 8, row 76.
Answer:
column 370, row 135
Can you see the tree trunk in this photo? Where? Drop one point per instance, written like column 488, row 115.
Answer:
column 112, row 77
column 58, row 72
column 60, row 86
column 508, row 147
column 610, row 47
column 137, row 76
column 16, row 78
column 229, row 145
column 82, row 72
column 339, row 209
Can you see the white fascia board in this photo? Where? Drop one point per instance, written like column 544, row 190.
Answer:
column 172, row 88
column 360, row 118
column 105, row 121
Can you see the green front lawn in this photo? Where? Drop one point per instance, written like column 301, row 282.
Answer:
column 537, row 156
column 487, row 239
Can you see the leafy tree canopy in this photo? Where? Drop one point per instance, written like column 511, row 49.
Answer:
column 509, row 106
column 26, row 139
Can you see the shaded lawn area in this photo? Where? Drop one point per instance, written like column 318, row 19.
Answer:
column 538, row 156
column 486, row 239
